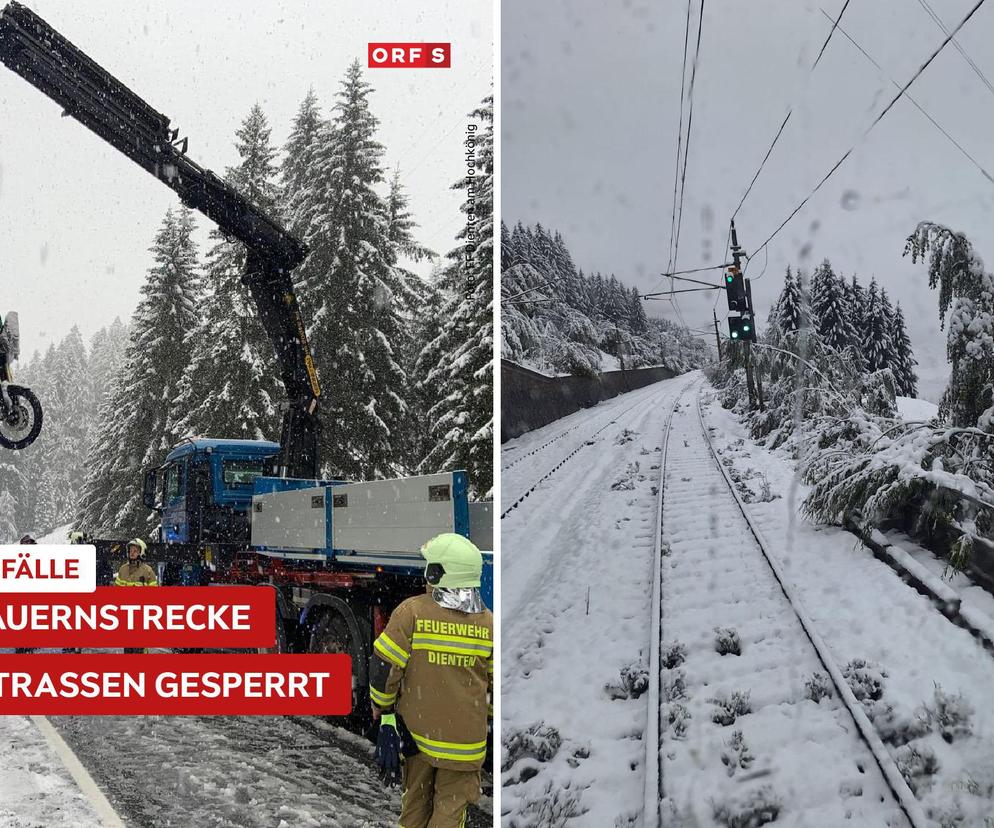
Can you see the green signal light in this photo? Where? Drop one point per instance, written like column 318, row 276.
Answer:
column 735, row 334
column 729, row 279
column 745, row 327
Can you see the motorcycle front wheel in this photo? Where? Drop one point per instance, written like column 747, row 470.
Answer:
column 20, row 425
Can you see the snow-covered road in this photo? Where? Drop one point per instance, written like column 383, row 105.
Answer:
column 576, row 568
column 230, row 771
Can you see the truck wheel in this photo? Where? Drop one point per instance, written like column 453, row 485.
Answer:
column 333, row 634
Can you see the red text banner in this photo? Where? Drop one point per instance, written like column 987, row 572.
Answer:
column 214, row 617
column 409, row 55
column 176, row 685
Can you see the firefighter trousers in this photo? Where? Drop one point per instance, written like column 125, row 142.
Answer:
column 436, row 797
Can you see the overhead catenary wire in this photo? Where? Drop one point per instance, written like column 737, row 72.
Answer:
column 959, row 48
column 679, row 140
column 918, row 106
column 876, row 121
column 790, row 110
column 686, row 145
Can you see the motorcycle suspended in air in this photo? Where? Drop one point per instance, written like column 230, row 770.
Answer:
column 20, row 411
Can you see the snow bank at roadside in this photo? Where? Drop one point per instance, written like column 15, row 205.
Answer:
column 36, row 790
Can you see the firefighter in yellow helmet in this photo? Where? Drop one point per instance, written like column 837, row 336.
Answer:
column 431, row 676
column 135, row 572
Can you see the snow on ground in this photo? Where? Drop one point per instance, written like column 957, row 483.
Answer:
column 864, row 611
column 577, row 562
column 36, row 790
column 56, row 536
column 229, row 772
column 738, row 634
column 915, row 410
column 970, row 593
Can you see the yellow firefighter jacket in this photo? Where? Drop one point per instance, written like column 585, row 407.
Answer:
column 137, row 573
column 441, row 674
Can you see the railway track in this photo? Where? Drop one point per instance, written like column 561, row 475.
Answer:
column 718, row 589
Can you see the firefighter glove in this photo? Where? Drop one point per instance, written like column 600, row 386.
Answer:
column 388, row 750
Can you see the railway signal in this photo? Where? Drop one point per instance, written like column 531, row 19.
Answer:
column 741, row 329
column 735, row 290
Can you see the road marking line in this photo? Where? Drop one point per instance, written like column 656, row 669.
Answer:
column 101, row 805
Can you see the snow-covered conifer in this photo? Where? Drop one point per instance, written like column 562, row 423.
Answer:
column 133, row 432
column 462, row 353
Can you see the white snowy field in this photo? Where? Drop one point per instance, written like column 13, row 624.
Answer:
column 864, row 610
column 576, row 570
column 36, row 789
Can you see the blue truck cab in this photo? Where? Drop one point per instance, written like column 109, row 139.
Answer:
column 203, row 490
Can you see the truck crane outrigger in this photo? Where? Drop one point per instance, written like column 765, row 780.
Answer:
column 339, row 556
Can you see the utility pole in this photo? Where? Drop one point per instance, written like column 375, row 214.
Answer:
column 717, row 337
column 755, row 392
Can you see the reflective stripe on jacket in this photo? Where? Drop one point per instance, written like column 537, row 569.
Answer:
column 440, row 679
column 136, row 575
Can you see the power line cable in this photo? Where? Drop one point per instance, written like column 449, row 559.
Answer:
column 959, row 48
column 876, row 121
column 918, row 106
column 835, row 25
column 686, row 146
column 679, row 140
column 790, row 111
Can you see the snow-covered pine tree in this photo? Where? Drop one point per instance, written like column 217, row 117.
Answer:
column 231, row 387
column 616, row 307
column 520, row 286
column 856, row 296
column 571, row 290
column 419, row 304
column 638, row 322
column 12, row 489
column 297, row 153
column 891, row 358
column 904, row 370
column 790, row 311
column 598, row 297
column 68, row 410
column 107, row 350
column 462, row 353
column 355, row 319
column 876, row 331
column 966, row 293
column 829, row 308
column 134, row 420
column 15, row 517
column 401, row 229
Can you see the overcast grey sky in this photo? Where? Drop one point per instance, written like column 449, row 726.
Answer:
column 590, row 110
column 77, row 218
